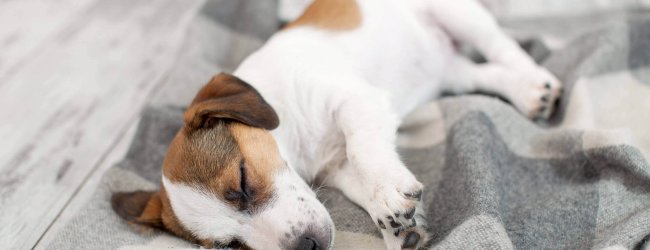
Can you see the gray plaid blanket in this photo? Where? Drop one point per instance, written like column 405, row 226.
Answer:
column 494, row 180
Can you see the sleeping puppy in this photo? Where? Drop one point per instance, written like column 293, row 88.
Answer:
column 321, row 103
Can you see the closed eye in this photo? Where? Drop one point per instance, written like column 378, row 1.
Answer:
column 244, row 195
column 233, row 244
column 242, row 181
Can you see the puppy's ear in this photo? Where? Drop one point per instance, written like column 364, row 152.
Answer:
column 140, row 207
column 228, row 97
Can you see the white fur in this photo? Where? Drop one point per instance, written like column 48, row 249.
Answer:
column 293, row 210
column 340, row 96
column 396, row 58
column 202, row 213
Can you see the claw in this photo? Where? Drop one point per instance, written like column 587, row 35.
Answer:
column 411, row 240
column 545, row 98
column 381, row 224
column 409, row 214
column 415, row 195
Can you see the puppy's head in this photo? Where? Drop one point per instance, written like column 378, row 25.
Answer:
column 225, row 183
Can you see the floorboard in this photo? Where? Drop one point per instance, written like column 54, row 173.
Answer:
column 87, row 189
column 68, row 100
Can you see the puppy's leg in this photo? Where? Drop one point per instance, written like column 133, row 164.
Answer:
column 469, row 22
column 373, row 176
column 392, row 201
column 463, row 76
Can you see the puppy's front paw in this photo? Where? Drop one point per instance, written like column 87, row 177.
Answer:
column 397, row 211
column 535, row 92
column 413, row 237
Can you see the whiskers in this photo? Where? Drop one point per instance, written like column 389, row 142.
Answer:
column 318, row 191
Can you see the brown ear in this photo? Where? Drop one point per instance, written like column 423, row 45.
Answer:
column 228, row 97
column 140, row 207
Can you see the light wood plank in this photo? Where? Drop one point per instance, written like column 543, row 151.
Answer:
column 63, row 109
column 88, row 188
column 28, row 24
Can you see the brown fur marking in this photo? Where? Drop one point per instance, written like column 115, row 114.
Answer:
column 151, row 209
column 130, row 205
column 225, row 126
column 228, row 97
column 210, row 159
column 335, row 15
column 262, row 160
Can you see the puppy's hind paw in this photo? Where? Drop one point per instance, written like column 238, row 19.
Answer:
column 535, row 92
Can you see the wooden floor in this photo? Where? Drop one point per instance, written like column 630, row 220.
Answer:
column 74, row 75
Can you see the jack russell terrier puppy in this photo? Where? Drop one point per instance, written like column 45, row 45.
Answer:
column 321, row 102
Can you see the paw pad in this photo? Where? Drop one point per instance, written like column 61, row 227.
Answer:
column 411, row 240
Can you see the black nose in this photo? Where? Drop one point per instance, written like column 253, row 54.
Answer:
column 308, row 243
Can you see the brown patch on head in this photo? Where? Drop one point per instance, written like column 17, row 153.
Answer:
column 223, row 148
column 336, row 15
column 219, row 159
column 202, row 155
column 262, row 160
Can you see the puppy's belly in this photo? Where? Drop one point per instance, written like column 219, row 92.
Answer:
column 415, row 84
column 410, row 72
column 406, row 98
